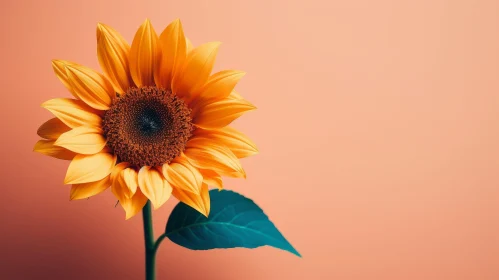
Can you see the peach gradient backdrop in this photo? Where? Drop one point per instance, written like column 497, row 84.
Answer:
column 378, row 126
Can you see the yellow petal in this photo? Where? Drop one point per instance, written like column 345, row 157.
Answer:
column 135, row 204
column 172, row 42
column 221, row 113
column 119, row 189
column 128, row 178
column 52, row 129
column 144, row 55
column 154, row 186
column 200, row 202
column 47, row 148
column 182, row 174
column 85, row 190
column 73, row 113
column 89, row 168
column 59, row 67
column 231, row 138
column 211, row 178
column 131, row 177
column 196, row 69
column 218, row 86
column 90, row 87
column 82, row 140
column 117, row 170
column 188, row 46
column 113, row 51
column 206, row 154
column 235, row 95
column 236, row 174
column 131, row 203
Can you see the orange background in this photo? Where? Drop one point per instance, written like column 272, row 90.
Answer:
column 378, row 127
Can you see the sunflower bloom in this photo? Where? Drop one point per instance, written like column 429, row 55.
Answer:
column 152, row 125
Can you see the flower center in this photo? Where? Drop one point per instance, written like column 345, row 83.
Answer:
column 147, row 126
column 149, row 121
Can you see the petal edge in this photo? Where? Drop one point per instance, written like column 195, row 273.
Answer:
column 144, row 55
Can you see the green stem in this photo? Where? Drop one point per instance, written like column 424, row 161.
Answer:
column 156, row 246
column 149, row 242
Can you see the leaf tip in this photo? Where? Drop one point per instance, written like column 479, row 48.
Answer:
column 295, row 252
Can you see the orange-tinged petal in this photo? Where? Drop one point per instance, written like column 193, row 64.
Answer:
column 218, row 86
column 235, row 95
column 73, row 113
column 134, row 205
column 118, row 189
column 182, row 174
column 128, row 179
column 85, row 140
column 154, row 186
column 188, row 46
column 211, row 178
column 131, row 203
column 200, row 202
column 113, row 51
column 52, row 129
column 85, row 190
column 144, row 55
column 231, row 138
column 236, row 174
column 206, row 154
column 117, row 170
column 196, row 69
column 131, row 178
column 89, row 168
column 59, row 67
column 48, row 148
column 89, row 86
column 221, row 113
column 173, row 49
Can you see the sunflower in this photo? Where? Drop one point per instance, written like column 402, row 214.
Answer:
column 154, row 124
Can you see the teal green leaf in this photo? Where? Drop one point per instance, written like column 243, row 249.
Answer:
column 234, row 221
